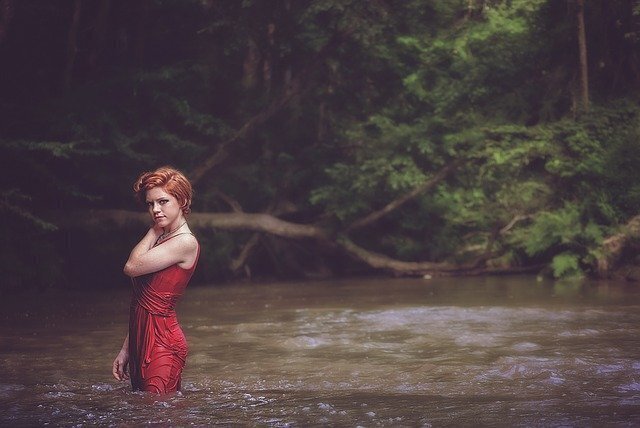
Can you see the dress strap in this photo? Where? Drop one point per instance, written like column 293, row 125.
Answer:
column 173, row 236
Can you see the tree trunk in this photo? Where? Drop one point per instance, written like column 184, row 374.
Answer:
column 99, row 32
column 250, row 65
column 267, row 66
column 72, row 44
column 582, row 46
column 296, row 87
column 266, row 223
column 6, row 14
column 141, row 32
column 228, row 221
column 379, row 261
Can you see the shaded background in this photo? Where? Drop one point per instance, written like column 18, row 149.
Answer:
column 322, row 112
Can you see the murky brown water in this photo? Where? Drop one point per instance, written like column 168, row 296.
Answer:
column 375, row 352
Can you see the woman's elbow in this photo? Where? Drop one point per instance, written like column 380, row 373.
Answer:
column 129, row 269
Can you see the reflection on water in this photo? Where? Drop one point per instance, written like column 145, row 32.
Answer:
column 383, row 352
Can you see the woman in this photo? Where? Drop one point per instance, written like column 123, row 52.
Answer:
column 160, row 265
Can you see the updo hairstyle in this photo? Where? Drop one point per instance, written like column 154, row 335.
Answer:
column 169, row 178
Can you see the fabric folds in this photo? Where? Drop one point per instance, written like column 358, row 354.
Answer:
column 157, row 345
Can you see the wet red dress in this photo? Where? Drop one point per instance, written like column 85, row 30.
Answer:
column 157, row 346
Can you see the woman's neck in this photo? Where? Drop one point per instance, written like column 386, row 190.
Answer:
column 174, row 226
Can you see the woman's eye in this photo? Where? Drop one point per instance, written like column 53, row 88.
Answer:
column 164, row 201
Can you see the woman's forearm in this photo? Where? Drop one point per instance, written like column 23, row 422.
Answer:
column 125, row 345
column 145, row 244
column 141, row 248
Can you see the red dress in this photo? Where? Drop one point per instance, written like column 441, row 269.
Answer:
column 157, row 346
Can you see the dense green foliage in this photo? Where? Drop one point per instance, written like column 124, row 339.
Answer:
column 384, row 94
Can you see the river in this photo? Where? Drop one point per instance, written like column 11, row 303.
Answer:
column 505, row 351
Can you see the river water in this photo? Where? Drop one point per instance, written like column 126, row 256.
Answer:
column 506, row 351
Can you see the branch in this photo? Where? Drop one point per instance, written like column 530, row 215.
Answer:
column 237, row 263
column 289, row 92
column 518, row 218
column 228, row 221
column 397, row 203
column 489, row 253
column 379, row 261
column 267, row 223
column 233, row 204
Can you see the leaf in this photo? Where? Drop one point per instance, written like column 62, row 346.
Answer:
column 566, row 264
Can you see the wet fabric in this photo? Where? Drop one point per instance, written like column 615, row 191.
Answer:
column 157, row 346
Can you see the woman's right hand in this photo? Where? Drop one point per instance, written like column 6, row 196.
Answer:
column 121, row 365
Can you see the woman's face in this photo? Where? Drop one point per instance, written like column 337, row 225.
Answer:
column 163, row 207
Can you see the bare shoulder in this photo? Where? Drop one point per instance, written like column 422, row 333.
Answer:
column 187, row 246
column 187, row 241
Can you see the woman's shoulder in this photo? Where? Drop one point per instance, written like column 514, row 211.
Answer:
column 190, row 247
column 184, row 241
column 188, row 239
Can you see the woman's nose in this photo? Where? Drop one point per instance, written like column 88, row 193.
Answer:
column 156, row 208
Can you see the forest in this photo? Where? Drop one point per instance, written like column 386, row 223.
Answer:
column 323, row 137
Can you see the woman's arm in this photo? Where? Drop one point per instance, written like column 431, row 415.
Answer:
column 145, row 258
column 146, row 243
column 120, row 367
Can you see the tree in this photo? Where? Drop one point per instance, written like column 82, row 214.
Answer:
column 6, row 13
column 582, row 44
column 416, row 137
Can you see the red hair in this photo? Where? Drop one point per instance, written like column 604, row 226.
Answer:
column 169, row 178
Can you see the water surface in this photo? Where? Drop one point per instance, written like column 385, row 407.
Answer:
column 373, row 352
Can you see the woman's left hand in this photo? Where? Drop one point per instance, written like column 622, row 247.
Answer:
column 121, row 365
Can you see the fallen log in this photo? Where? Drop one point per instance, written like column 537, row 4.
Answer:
column 613, row 247
column 267, row 223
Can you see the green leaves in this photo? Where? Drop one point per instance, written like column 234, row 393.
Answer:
column 13, row 202
column 566, row 264
column 551, row 228
column 414, row 85
column 563, row 230
column 53, row 148
column 379, row 97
